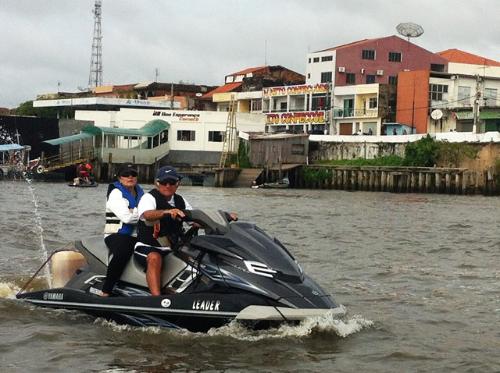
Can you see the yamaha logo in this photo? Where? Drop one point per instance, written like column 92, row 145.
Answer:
column 166, row 303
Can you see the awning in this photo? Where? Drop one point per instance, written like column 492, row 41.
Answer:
column 489, row 114
column 68, row 139
column 464, row 115
column 9, row 147
column 150, row 129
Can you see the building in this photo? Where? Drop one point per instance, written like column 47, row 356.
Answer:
column 183, row 138
column 363, row 76
column 464, row 99
column 246, row 86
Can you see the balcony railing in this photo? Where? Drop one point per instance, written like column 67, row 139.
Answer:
column 355, row 113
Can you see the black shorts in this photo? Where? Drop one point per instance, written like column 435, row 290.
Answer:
column 141, row 253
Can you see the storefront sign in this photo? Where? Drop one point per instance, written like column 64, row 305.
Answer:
column 187, row 117
column 301, row 117
column 295, row 90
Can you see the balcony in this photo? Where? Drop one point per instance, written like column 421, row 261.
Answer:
column 355, row 113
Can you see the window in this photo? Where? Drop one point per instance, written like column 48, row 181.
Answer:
column 185, row 135
column 393, row 80
column 368, row 54
column 326, row 58
column 437, row 67
column 283, row 106
column 437, row 91
column 309, row 60
column 163, row 137
column 308, row 75
column 350, row 78
column 216, row 136
column 464, row 95
column 298, row 149
column 372, row 103
column 326, row 77
column 394, row 56
column 320, row 102
column 490, row 96
column 370, row 79
column 256, row 105
column 316, row 59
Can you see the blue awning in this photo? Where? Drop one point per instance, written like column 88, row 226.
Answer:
column 9, row 147
column 68, row 139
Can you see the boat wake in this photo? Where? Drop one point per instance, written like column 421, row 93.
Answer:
column 8, row 290
column 335, row 323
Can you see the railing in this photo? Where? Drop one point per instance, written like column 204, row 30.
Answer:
column 66, row 159
column 346, row 113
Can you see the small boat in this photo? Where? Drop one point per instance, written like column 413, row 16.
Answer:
column 233, row 271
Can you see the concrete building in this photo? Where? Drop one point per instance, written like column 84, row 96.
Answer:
column 363, row 76
column 246, row 87
column 467, row 94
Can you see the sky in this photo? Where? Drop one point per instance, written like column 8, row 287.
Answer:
column 46, row 44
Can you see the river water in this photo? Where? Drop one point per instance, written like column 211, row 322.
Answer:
column 418, row 275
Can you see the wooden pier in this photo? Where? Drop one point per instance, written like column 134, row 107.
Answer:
column 398, row 179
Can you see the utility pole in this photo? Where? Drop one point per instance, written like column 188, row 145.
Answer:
column 475, row 108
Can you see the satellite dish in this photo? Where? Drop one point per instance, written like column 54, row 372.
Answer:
column 436, row 114
column 409, row 30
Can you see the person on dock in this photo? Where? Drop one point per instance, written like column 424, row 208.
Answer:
column 122, row 215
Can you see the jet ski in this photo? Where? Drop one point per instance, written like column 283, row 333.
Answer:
column 223, row 271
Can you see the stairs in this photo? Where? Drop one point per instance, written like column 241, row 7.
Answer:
column 246, row 176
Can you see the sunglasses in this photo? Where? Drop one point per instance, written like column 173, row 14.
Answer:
column 128, row 174
column 167, row 182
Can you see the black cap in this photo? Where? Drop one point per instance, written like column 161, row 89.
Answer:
column 127, row 168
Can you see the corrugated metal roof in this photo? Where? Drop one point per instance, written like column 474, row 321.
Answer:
column 229, row 87
column 151, row 128
column 9, row 147
column 249, row 70
column 458, row 56
column 68, row 139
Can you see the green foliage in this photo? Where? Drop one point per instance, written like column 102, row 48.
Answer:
column 316, row 174
column 243, row 155
column 452, row 154
column 422, row 153
column 390, row 160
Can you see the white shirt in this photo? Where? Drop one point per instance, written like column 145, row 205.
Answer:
column 147, row 203
column 118, row 205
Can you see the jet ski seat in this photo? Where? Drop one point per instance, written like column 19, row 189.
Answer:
column 133, row 272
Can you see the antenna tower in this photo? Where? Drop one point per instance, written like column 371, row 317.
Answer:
column 95, row 76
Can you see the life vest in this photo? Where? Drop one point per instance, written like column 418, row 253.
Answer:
column 170, row 228
column 113, row 223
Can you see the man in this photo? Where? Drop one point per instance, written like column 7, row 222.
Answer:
column 160, row 225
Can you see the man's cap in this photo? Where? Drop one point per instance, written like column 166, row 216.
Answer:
column 127, row 168
column 168, row 173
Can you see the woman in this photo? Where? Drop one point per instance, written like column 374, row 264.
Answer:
column 121, row 223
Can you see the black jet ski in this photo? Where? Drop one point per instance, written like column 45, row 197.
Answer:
column 227, row 271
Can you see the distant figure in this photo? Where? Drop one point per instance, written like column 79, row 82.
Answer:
column 404, row 132
column 394, row 132
column 370, row 131
column 360, row 132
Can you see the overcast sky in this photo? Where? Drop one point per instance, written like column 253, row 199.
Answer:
column 200, row 41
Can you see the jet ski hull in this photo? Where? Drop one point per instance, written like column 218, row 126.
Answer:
column 197, row 312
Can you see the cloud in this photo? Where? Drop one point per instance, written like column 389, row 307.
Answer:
column 201, row 41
